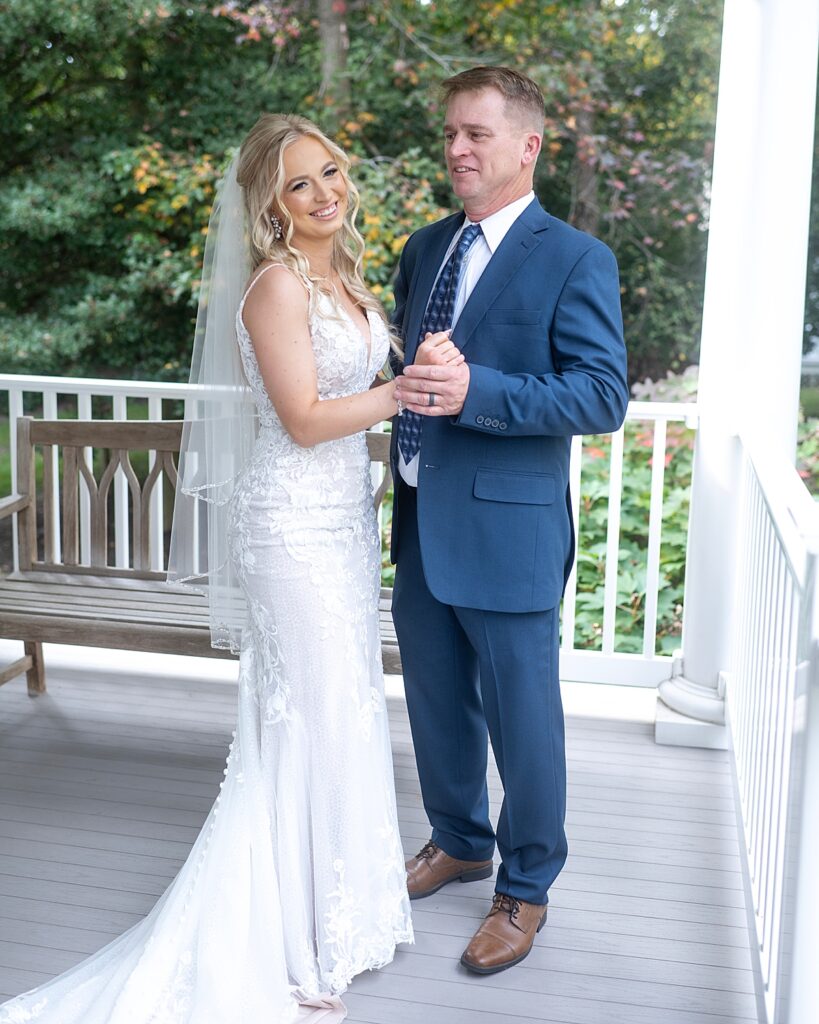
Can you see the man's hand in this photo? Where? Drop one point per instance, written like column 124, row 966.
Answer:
column 447, row 384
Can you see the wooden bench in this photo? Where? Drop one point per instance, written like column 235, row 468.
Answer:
column 54, row 598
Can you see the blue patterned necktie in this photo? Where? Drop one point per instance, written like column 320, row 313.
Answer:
column 438, row 317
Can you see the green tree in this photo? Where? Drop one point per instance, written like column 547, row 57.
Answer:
column 118, row 118
column 630, row 93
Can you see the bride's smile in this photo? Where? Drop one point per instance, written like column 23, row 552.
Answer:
column 328, row 211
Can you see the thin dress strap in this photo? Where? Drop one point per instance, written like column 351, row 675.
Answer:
column 253, row 282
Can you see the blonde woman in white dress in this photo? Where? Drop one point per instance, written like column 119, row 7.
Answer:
column 296, row 882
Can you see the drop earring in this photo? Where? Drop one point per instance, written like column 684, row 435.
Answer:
column 278, row 231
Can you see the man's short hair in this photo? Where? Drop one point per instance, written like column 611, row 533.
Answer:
column 520, row 92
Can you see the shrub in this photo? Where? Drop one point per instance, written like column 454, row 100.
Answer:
column 633, row 554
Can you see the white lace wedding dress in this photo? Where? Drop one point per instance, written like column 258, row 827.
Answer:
column 296, row 882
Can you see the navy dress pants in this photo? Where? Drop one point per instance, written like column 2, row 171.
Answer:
column 468, row 672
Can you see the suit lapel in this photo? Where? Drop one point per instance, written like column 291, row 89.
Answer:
column 520, row 241
column 429, row 261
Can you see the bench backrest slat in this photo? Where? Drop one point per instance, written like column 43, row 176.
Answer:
column 48, row 502
column 26, row 487
column 65, row 445
column 135, row 435
column 71, row 484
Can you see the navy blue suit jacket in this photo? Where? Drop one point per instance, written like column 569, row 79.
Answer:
column 542, row 334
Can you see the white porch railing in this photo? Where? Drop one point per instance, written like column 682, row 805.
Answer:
column 81, row 398
column 605, row 663
column 773, row 712
column 650, row 449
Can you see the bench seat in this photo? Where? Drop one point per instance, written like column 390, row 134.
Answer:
column 128, row 613
column 52, row 598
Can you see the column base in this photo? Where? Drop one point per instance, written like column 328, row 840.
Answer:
column 691, row 715
column 694, row 700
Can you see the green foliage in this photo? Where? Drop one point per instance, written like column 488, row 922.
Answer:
column 807, row 453
column 631, row 576
column 809, row 400
column 633, row 554
column 635, row 503
column 99, row 265
column 396, row 199
column 630, row 92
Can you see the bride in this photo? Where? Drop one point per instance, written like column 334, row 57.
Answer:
column 296, row 882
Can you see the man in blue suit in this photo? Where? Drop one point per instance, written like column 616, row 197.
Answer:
column 482, row 531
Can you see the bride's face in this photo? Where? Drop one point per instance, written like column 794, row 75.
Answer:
column 315, row 192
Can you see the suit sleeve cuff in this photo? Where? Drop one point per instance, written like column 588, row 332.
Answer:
column 482, row 408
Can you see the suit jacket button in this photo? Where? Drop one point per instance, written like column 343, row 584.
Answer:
column 479, row 420
column 494, row 423
column 503, row 425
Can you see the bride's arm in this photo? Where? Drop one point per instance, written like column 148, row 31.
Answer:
column 275, row 315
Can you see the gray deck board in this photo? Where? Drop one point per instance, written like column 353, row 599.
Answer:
column 610, row 922
column 105, row 783
column 558, row 985
column 599, row 965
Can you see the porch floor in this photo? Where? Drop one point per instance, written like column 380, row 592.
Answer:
column 104, row 784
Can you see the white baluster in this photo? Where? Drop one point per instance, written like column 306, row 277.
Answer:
column 655, row 530
column 157, row 536
column 84, row 412
column 613, row 542
column 570, row 595
column 121, row 517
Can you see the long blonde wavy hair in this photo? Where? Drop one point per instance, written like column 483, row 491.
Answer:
column 261, row 174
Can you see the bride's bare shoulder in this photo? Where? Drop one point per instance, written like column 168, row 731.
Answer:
column 274, row 284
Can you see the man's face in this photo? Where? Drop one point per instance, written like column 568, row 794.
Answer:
column 488, row 155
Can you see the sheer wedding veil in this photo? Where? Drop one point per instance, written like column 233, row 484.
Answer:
column 220, row 413
column 220, row 422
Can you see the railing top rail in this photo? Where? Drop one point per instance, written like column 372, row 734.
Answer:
column 671, row 411
column 794, row 513
column 95, row 386
column 687, row 411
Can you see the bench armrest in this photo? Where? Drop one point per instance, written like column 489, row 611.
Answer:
column 13, row 503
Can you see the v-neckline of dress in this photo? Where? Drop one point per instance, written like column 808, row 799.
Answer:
column 368, row 342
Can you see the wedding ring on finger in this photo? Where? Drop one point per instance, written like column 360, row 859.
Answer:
column 431, row 398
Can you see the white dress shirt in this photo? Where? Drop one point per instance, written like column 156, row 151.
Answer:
column 493, row 232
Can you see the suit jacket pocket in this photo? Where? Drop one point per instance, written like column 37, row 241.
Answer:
column 520, row 488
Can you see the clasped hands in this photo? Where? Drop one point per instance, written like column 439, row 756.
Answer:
column 437, row 382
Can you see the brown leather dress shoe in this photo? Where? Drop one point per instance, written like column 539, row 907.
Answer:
column 431, row 869
column 505, row 936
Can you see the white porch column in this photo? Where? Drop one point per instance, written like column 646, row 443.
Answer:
column 752, row 319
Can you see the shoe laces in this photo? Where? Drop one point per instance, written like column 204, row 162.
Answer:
column 429, row 851
column 502, row 901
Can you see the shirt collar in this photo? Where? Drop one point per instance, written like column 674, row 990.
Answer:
column 495, row 226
